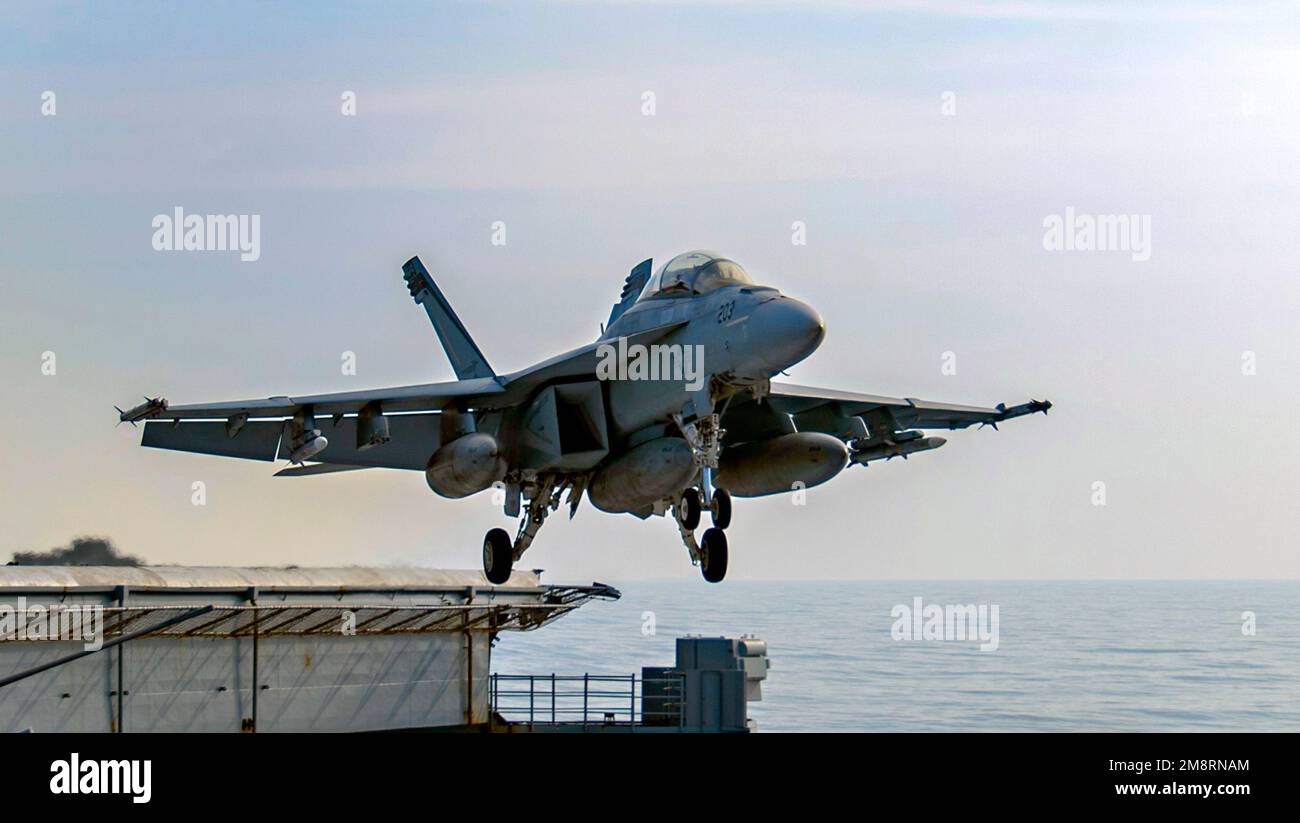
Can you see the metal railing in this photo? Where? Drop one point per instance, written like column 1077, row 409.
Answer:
column 589, row 699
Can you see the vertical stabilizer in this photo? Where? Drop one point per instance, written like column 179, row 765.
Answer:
column 466, row 359
column 632, row 287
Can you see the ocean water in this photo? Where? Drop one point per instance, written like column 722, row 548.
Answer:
column 1077, row 656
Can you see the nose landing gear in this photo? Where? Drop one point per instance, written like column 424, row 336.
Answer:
column 720, row 509
column 713, row 555
column 688, row 509
column 710, row 553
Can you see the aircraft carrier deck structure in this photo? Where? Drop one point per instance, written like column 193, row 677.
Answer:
column 208, row 649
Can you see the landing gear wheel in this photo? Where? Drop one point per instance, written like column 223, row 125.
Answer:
column 498, row 556
column 721, row 508
column 688, row 509
column 713, row 555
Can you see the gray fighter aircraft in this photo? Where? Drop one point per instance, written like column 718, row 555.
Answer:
column 671, row 411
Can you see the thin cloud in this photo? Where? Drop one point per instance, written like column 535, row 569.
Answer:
column 1116, row 12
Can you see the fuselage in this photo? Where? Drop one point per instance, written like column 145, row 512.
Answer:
column 699, row 331
column 741, row 334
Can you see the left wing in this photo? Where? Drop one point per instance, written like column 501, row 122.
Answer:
column 873, row 426
column 831, row 407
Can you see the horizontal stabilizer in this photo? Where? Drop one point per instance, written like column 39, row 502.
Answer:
column 466, row 359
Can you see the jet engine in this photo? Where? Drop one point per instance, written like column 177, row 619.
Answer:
column 652, row 471
column 466, row 465
column 775, row 465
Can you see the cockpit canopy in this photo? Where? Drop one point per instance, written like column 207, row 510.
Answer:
column 695, row 272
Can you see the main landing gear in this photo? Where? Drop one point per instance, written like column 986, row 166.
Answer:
column 499, row 553
column 710, row 553
column 542, row 495
column 498, row 556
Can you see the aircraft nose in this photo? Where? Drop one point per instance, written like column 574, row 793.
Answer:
column 790, row 330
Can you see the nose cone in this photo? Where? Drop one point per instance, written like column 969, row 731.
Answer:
column 788, row 331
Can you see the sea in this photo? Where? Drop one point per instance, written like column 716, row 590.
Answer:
column 1090, row 656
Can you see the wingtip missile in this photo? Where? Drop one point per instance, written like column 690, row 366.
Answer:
column 151, row 407
column 1032, row 407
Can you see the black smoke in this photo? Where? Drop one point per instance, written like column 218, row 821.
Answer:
column 82, row 551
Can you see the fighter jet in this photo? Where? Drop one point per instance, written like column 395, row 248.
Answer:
column 671, row 411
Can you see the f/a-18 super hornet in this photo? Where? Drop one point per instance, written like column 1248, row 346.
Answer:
column 671, row 411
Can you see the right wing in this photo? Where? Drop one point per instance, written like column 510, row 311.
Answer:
column 263, row 429
column 422, row 397
column 413, row 437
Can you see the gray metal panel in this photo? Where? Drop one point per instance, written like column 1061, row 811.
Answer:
column 230, row 577
column 415, row 437
column 39, row 702
column 563, row 429
column 255, row 441
column 755, row 421
column 310, row 469
column 907, row 411
column 420, row 397
column 193, row 685
column 367, row 683
column 580, row 362
column 322, row 684
column 799, row 399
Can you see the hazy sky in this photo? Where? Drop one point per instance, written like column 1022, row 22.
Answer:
column 924, row 236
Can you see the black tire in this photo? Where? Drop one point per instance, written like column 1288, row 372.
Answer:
column 498, row 556
column 689, row 508
column 721, row 508
column 714, row 550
